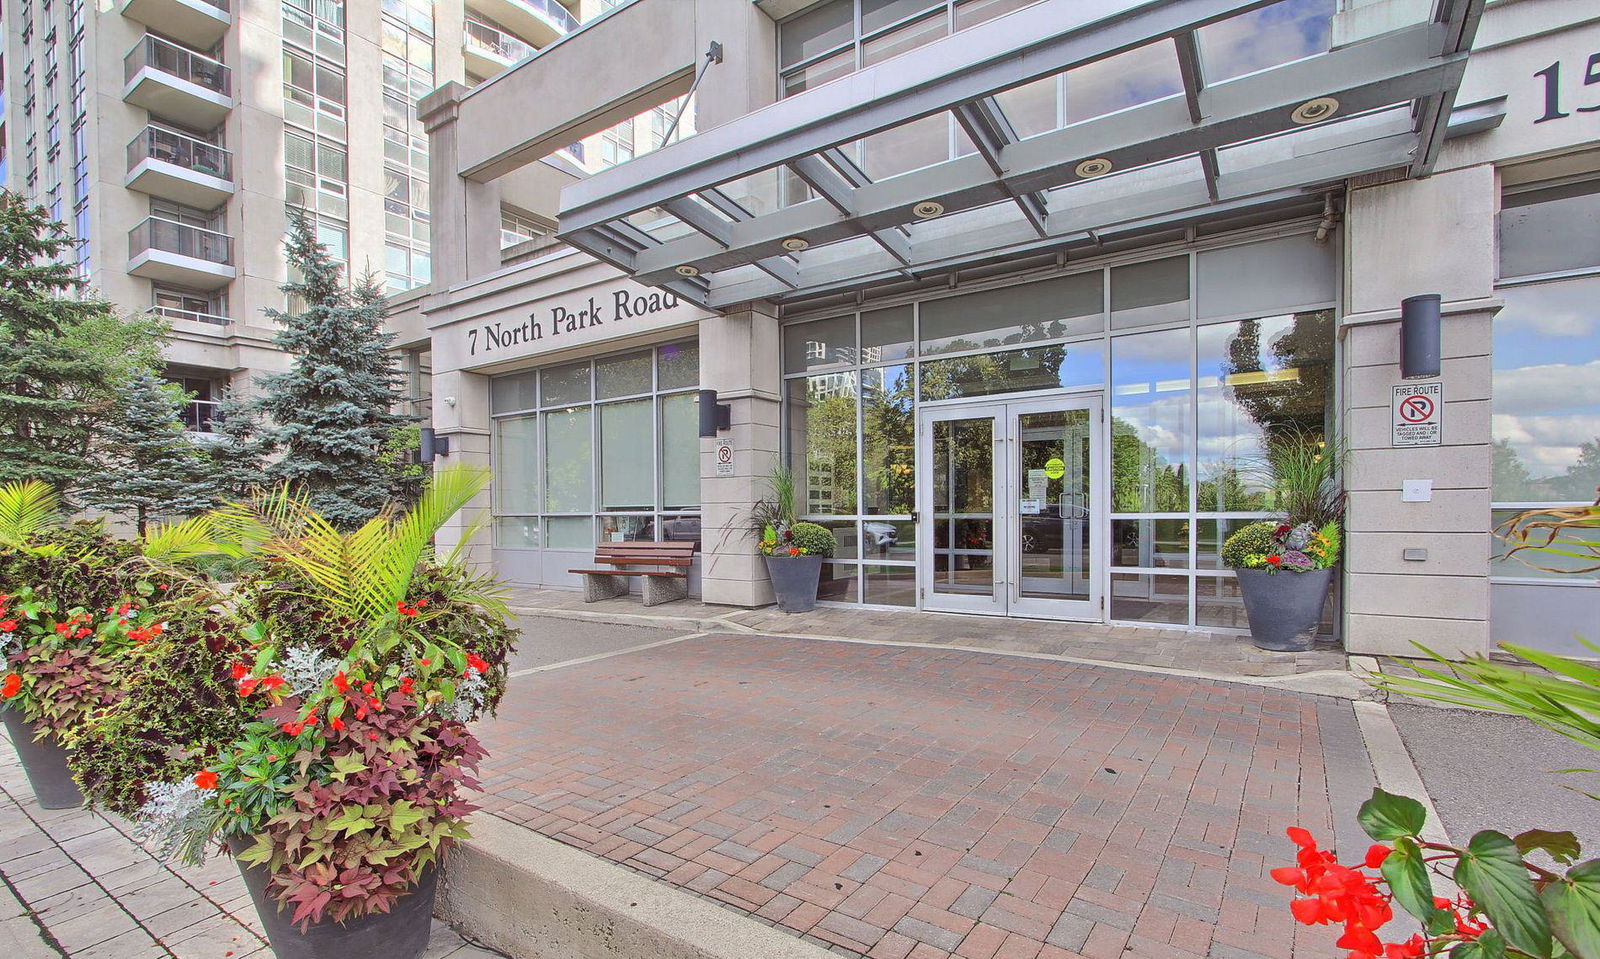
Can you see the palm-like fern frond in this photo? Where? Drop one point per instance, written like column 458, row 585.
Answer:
column 25, row 509
column 193, row 538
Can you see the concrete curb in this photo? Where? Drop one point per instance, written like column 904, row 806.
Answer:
column 1392, row 762
column 531, row 897
column 648, row 620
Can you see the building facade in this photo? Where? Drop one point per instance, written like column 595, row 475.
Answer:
column 172, row 137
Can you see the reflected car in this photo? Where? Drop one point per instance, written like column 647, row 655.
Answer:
column 880, row 535
column 1042, row 532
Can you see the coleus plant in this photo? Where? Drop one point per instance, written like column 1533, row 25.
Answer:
column 1503, row 900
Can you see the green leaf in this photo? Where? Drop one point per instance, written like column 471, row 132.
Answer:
column 1562, row 846
column 1386, row 816
column 346, row 765
column 1408, row 880
column 404, row 816
column 1492, row 873
column 258, row 853
column 351, row 820
column 1573, row 906
column 1490, row 945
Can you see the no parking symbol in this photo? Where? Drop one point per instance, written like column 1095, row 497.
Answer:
column 1418, row 414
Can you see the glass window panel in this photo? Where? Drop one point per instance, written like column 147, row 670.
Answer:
column 886, row 334
column 828, row 68
column 1546, row 392
column 626, row 529
column 680, row 451
column 569, row 532
column 838, row 583
column 1217, row 602
column 565, row 384
column 1033, row 108
column 1127, row 79
column 1150, row 543
column 822, row 440
column 908, row 37
column 889, row 447
column 622, row 375
column 877, row 14
column 1145, row 294
column 1265, row 38
column 1258, row 378
column 844, row 534
column 1551, row 230
column 678, row 366
column 892, row 540
column 627, row 454
column 568, row 473
column 680, row 529
column 1274, row 276
column 1046, row 310
column 817, row 30
column 516, row 532
column 1520, row 565
column 1209, row 535
column 973, row 12
column 891, row 585
column 807, row 346
column 507, row 394
column 516, row 465
column 1035, row 368
column 1150, row 399
column 1140, row 598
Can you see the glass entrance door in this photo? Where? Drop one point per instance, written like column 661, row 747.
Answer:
column 1009, row 508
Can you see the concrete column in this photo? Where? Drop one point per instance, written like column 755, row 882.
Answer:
column 461, row 414
column 465, row 214
column 1422, row 236
column 739, row 357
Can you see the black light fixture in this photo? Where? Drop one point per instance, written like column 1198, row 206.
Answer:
column 714, row 416
column 432, row 445
column 1419, row 336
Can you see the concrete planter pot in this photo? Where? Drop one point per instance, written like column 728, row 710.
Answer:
column 794, row 580
column 400, row 933
column 45, row 762
column 1284, row 608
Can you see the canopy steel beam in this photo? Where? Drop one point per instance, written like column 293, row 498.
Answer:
column 836, row 179
column 1388, row 70
column 1193, row 76
column 991, row 132
column 1460, row 19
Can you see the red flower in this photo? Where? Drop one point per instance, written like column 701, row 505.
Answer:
column 794, row 551
column 293, row 729
column 1283, row 529
column 11, row 686
column 206, row 780
column 8, row 625
column 1275, row 561
column 240, row 670
column 84, row 631
column 474, row 661
column 425, row 661
column 272, row 682
column 247, row 687
column 64, row 628
column 407, row 685
column 341, row 682
column 1413, row 948
column 1376, row 854
column 336, row 724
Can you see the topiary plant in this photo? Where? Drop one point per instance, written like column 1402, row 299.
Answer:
column 1255, row 540
column 814, row 540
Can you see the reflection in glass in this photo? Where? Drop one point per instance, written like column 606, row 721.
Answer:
column 844, row 535
column 508, row 394
column 838, row 583
column 819, row 343
column 1054, row 518
column 1209, row 535
column 569, row 532
column 678, row 366
column 627, row 463
column 1149, row 294
column 1518, row 566
column 624, row 529
column 1258, row 378
column 516, row 465
column 568, row 473
column 1046, row 310
column 1150, row 543
column 1264, row 38
column 1036, row 368
column 888, row 441
column 1150, row 400
column 906, row 38
column 891, row 585
column 815, row 31
column 963, row 506
column 565, row 384
column 910, row 146
column 820, row 72
column 1217, row 603
column 822, row 436
column 888, row 539
column 680, row 529
column 1127, row 79
column 680, row 451
column 1547, row 392
column 1140, row 598
column 1550, row 230
column 886, row 334
column 623, row 375
column 516, row 532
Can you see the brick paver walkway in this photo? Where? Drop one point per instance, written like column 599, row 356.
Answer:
column 897, row 802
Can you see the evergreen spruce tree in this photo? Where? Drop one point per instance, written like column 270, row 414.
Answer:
column 335, row 409
column 62, row 353
column 147, row 466
column 238, row 450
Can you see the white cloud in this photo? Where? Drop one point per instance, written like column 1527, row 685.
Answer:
column 1548, row 388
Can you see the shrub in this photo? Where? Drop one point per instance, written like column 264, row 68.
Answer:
column 1252, row 540
column 814, row 540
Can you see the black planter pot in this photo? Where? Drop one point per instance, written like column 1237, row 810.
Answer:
column 400, row 933
column 44, row 761
column 1284, row 607
column 794, row 580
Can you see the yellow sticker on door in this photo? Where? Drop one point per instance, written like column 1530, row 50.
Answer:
column 1055, row 468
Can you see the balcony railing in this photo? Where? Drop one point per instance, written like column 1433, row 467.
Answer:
column 497, row 43
column 181, row 239
column 553, row 11
column 173, row 313
column 182, row 63
column 154, row 143
column 219, row 4
column 202, row 416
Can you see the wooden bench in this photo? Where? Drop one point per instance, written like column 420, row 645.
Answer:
column 616, row 562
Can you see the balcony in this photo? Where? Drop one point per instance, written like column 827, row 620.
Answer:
column 199, row 23
column 190, row 316
column 488, row 50
column 171, row 252
column 537, row 22
column 179, row 168
column 177, row 84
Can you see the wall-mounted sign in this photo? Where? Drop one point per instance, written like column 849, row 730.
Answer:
column 722, row 459
column 590, row 318
column 1418, row 414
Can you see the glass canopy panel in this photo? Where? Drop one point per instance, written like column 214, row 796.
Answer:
column 1265, row 38
column 767, row 190
column 1307, row 142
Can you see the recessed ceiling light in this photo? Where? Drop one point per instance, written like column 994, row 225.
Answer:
column 927, row 209
column 1315, row 111
column 795, row 244
column 687, row 270
column 1099, row 166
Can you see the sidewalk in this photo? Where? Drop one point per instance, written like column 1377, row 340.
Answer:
column 73, row 884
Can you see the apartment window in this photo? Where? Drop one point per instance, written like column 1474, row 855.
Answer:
column 316, row 173
column 314, row 93
column 316, row 25
column 188, row 215
column 205, row 396
column 517, row 228
column 408, row 74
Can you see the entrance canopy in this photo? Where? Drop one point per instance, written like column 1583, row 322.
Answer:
column 1039, row 129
